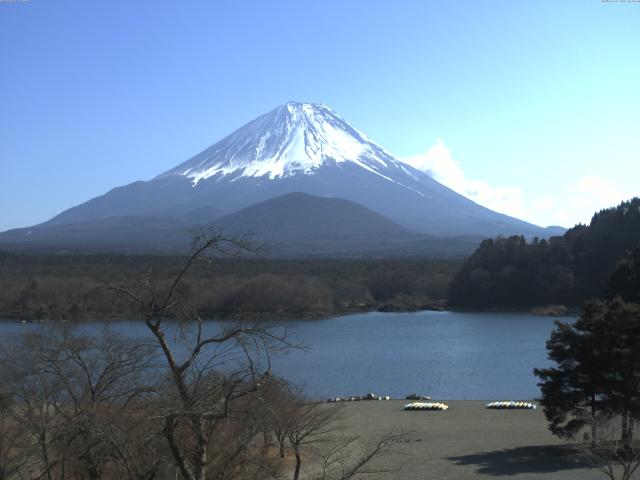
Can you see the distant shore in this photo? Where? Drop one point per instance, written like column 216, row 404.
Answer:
column 389, row 307
column 438, row 306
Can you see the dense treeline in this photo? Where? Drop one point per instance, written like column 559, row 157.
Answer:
column 72, row 286
column 625, row 279
column 514, row 273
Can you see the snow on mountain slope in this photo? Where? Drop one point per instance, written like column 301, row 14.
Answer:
column 298, row 147
column 293, row 139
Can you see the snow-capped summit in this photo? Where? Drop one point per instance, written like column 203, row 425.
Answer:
column 296, row 147
column 294, row 138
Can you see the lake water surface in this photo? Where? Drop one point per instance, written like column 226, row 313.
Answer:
column 447, row 355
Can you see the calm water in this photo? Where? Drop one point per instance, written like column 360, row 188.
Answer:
column 442, row 354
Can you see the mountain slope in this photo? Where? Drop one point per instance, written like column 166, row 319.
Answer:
column 302, row 224
column 130, row 234
column 297, row 147
column 293, row 225
column 160, row 233
column 297, row 214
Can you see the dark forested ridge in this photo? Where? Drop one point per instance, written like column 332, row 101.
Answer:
column 295, row 225
column 504, row 273
column 69, row 286
column 514, row 273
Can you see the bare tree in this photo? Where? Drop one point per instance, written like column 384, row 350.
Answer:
column 313, row 431
column 33, row 396
column 100, row 377
column 209, row 372
column 347, row 457
column 11, row 456
column 279, row 404
column 78, row 401
column 617, row 456
column 309, row 424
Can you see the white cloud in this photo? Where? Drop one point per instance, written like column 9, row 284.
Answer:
column 438, row 163
column 567, row 206
column 597, row 189
column 590, row 194
column 543, row 204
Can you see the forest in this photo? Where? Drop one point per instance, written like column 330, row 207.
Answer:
column 513, row 273
column 76, row 287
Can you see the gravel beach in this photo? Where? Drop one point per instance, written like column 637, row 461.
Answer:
column 467, row 441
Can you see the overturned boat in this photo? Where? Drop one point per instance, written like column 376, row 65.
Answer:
column 426, row 406
column 511, row 405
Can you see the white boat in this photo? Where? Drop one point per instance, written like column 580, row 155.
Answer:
column 426, row 406
column 511, row 405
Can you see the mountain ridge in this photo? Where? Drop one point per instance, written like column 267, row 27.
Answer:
column 299, row 224
column 292, row 225
column 298, row 147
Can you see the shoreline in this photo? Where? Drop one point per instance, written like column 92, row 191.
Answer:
column 287, row 317
column 279, row 316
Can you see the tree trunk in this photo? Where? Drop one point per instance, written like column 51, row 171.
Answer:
column 45, row 453
column 181, row 462
column 200, row 451
column 626, row 433
column 296, row 474
column 594, row 427
column 91, row 467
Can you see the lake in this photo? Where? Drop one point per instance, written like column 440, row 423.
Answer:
column 447, row 355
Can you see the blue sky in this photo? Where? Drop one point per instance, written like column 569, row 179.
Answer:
column 531, row 108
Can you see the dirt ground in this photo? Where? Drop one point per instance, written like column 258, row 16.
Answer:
column 467, row 441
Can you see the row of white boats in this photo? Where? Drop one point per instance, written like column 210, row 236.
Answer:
column 357, row 398
column 426, row 406
column 510, row 405
column 502, row 405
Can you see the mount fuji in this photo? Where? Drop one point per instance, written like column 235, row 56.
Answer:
column 297, row 147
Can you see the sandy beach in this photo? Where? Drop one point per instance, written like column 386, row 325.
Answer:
column 467, row 441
